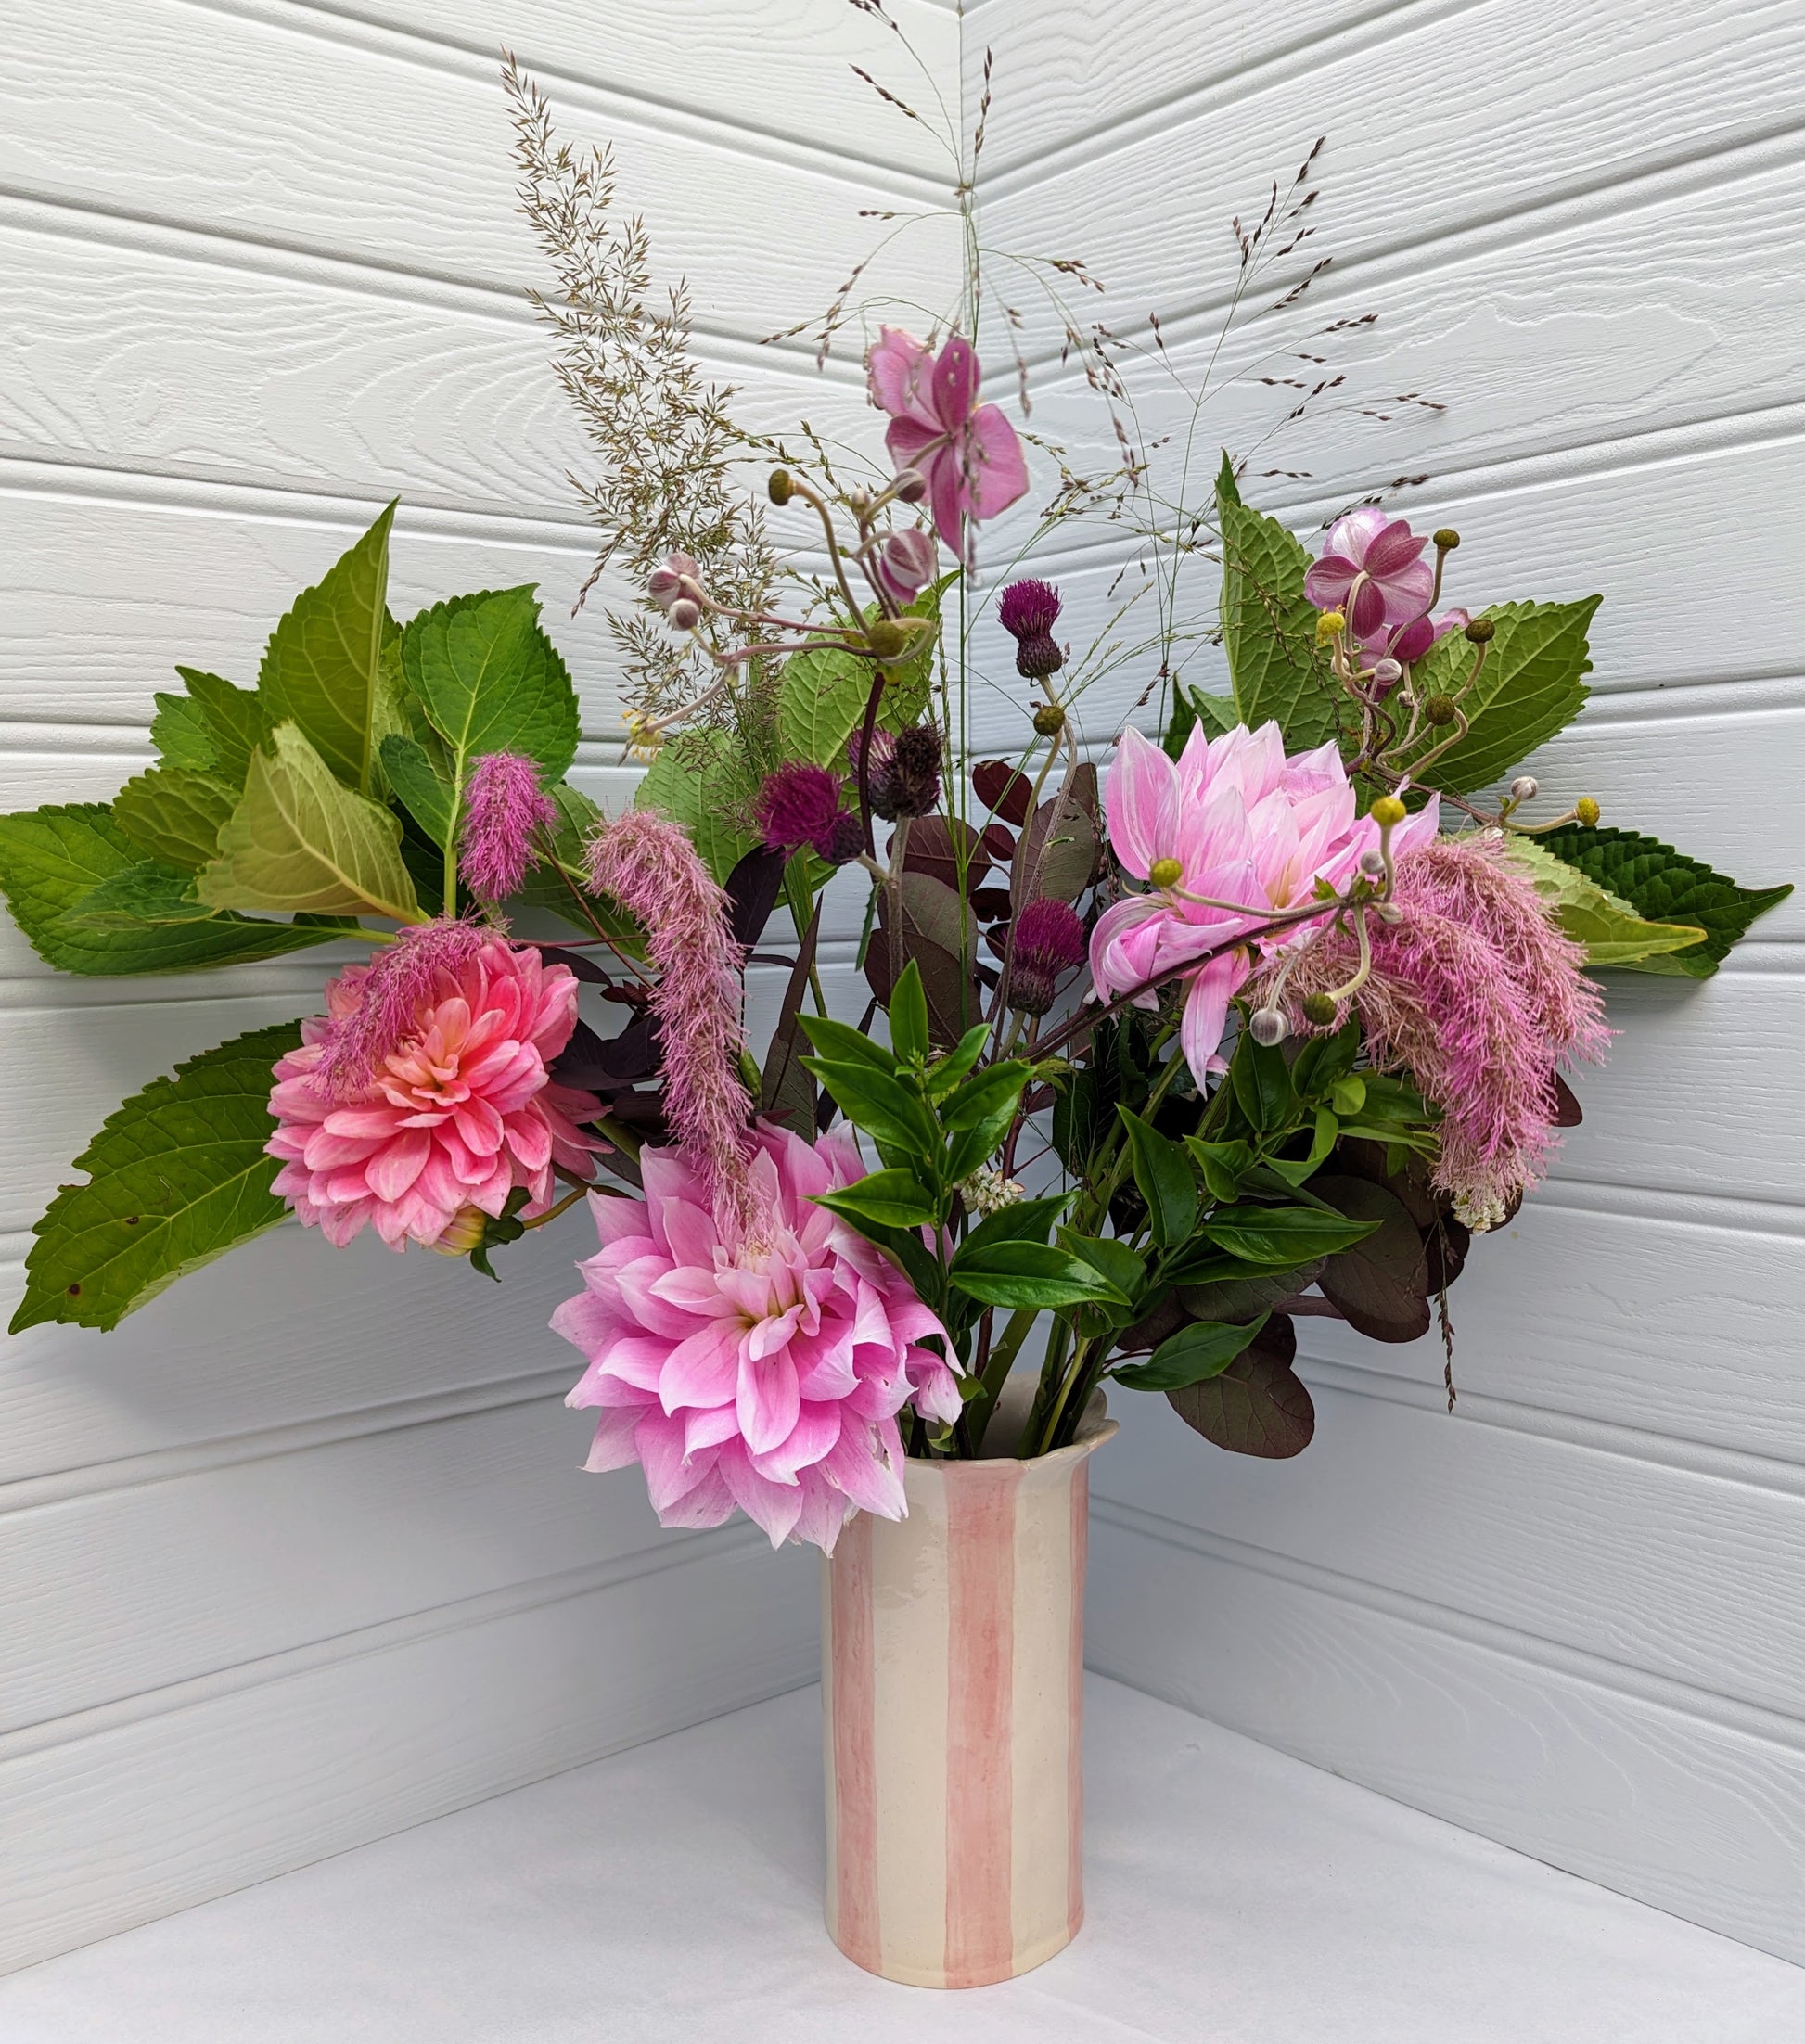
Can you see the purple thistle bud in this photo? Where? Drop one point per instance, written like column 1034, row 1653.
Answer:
column 904, row 779
column 799, row 805
column 845, row 840
column 1028, row 610
column 502, row 806
column 1048, row 942
column 389, row 994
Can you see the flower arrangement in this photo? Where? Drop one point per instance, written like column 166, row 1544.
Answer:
column 1266, row 1019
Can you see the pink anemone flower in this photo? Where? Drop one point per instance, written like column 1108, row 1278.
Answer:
column 1242, row 825
column 454, row 1113
column 967, row 452
column 1389, row 611
column 759, row 1369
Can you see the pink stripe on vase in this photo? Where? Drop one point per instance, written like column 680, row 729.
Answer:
column 979, row 1750
column 854, row 1780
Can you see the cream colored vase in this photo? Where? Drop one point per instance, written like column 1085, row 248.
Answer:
column 953, row 1656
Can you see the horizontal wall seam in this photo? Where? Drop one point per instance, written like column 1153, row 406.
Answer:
column 1716, row 163
column 460, row 1615
column 245, row 250
column 1752, row 1470
column 351, row 27
column 1680, row 1699
column 296, row 1437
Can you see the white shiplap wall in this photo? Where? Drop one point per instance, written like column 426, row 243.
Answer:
column 304, row 1554
column 1569, row 1616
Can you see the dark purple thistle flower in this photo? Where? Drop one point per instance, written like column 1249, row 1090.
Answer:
column 1028, row 610
column 799, row 805
column 1049, row 940
column 502, row 806
column 904, row 778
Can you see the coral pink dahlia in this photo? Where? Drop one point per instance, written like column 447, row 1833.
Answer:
column 456, row 1112
column 766, row 1374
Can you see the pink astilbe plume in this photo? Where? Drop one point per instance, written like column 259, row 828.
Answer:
column 456, row 1110
column 766, row 1375
column 1478, row 995
column 502, row 806
column 649, row 866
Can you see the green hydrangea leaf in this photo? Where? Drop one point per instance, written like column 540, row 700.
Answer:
column 1666, row 886
column 322, row 667
column 237, row 721
column 173, row 814
column 1530, row 687
column 910, row 682
column 52, row 861
column 1191, row 707
column 176, row 1176
column 1611, row 929
column 147, row 893
column 703, row 781
column 490, row 680
column 299, row 839
column 1269, row 628
column 820, row 704
column 180, row 734
column 415, row 780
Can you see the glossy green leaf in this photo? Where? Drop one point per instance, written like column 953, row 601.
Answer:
column 323, row 667
column 908, row 1015
column 979, row 1097
column 1261, row 1080
column 946, row 1072
column 1166, row 1183
column 896, row 1199
column 846, row 1045
column 873, row 1101
column 1027, row 1274
column 1282, row 1236
column 1196, row 1353
column 299, row 839
column 177, row 1175
column 1223, row 1166
column 1268, row 629
column 52, row 861
column 1022, row 1220
column 1115, row 1262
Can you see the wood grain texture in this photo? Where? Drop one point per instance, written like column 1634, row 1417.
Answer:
column 1549, row 1754
column 134, row 1820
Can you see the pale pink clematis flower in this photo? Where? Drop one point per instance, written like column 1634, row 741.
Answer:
column 1388, row 613
column 457, row 1113
column 766, row 1373
column 1243, row 824
column 967, row 452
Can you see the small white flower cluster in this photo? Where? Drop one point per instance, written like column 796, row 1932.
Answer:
column 1480, row 1216
column 988, row 1192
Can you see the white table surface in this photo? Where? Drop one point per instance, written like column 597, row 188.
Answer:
column 671, row 1892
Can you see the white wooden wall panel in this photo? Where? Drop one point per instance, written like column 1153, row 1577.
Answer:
column 1564, row 1614
column 304, row 1552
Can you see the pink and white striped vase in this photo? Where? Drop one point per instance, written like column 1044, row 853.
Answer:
column 952, row 1657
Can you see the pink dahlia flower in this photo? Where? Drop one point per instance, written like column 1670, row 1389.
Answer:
column 764, row 1374
column 1389, row 611
column 967, row 452
column 1242, row 825
column 457, row 1113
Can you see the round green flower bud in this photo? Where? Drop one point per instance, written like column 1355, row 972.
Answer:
column 1388, row 811
column 1446, row 538
column 1318, row 1008
column 1587, row 810
column 1439, row 710
column 1049, row 720
column 1165, row 873
column 1481, row 630
column 780, row 487
column 887, row 639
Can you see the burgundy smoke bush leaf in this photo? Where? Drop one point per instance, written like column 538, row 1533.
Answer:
column 936, row 846
column 1002, row 789
column 1259, row 1405
column 1381, row 1284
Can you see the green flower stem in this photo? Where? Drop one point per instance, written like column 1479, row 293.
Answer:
column 997, row 1365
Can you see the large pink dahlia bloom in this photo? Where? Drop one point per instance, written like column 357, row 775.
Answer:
column 764, row 1374
column 1241, row 823
column 456, row 1110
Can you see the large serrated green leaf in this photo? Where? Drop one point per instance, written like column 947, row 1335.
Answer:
column 177, row 1176
column 147, row 893
column 1611, row 929
column 820, row 704
column 702, row 782
column 413, row 778
column 173, row 814
column 490, row 680
column 322, row 667
column 237, row 720
column 52, row 859
column 1665, row 885
column 1530, row 687
column 1268, row 629
column 299, row 839
column 180, row 734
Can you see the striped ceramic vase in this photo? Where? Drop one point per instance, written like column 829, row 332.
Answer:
column 952, row 1653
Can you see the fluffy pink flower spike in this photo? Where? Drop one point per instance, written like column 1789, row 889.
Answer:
column 504, row 805
column 455, row 1110
column 1388, row 613
column 765, row 1377
column 1234, row 820
column 967, row 451
column 648, row 864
